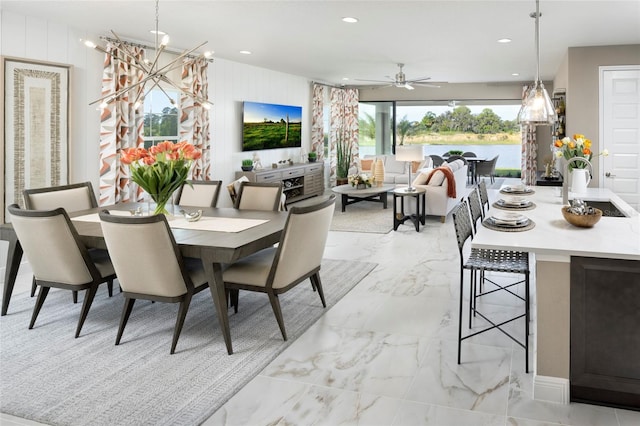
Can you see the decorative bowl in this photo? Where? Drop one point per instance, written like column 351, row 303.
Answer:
column 581, row 220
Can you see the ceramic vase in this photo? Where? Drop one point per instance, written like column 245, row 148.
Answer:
column 378, row 172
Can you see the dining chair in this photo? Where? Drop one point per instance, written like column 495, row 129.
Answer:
column 149, row 266
column 487, row 168
column 469, row 154
column 199, row 193
column 484, row 197
column 486, row 260
column 259, row 196
column 276, row 270
column 58, row 257
column 437, row 160
column 73, row 197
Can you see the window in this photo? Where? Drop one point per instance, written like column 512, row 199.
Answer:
column 161, row 116
column 376, row 125
column 485, row 127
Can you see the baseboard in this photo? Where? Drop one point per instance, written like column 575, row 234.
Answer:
column 551, row 389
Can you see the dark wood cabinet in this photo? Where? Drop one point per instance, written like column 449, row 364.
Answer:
column 605, row 332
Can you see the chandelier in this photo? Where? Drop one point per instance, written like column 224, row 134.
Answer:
column 537, row 107
column 153, row 75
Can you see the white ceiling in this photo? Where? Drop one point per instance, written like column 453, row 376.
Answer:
column 451, row 41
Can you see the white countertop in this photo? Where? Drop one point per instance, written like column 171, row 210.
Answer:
column 554, row 238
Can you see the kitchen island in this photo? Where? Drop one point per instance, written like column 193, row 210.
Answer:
column 587, row 284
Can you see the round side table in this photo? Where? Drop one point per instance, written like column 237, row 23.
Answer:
column 399, row 216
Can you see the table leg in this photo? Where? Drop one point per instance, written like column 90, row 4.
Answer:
column 14, row 256
column 423, row 216
column 417, row 219
column 345, row 201
column 213, row 272
column 383, row 197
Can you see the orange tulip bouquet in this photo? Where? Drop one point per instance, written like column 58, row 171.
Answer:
column 161, row 169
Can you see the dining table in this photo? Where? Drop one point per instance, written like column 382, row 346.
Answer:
column 473, row 165
column 221, row 236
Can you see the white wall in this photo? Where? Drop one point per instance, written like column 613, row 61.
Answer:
column 230, row 83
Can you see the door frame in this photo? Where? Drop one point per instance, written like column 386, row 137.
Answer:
column 601, row 70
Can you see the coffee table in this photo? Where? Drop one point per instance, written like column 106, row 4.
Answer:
column 352, row 195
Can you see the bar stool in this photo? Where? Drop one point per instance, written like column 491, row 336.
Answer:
column 484, row 260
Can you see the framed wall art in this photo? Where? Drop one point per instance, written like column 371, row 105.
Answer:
column 36, row 127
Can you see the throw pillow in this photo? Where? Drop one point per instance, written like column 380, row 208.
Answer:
column 437, row 179
column 416, row 165
column 422, row 177
column 366, row 164
column 454, row 165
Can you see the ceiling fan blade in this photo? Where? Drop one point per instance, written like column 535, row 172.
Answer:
column 374, row 81
column 416, row 80
column 417, row 83
column 408, row 86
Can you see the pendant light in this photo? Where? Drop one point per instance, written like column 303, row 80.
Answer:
column 537, row 108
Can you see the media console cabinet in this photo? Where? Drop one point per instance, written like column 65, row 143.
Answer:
column 299, row 181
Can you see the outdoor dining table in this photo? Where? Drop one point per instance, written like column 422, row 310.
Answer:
column 222, row 236
column 473, row 163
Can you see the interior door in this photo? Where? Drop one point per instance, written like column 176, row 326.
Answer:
column 620, row 131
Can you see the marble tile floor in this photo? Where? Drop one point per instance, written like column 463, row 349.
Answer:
column 386, row 353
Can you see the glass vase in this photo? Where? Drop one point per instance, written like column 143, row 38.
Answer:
column 159, row 203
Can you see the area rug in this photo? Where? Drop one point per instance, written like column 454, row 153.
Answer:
column 363, row 216
column 50, row 377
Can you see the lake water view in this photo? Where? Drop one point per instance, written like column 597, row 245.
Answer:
column 509, row 155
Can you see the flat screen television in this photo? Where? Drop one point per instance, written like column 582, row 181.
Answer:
column 269, row 126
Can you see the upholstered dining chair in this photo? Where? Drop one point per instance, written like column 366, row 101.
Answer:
column 259, row 196
column 276, row 270
column 199, row 193
column 58, row 257
column 73, row 197
column 485, row 260
column 149, row 266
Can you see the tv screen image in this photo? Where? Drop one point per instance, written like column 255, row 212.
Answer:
column 268, row 126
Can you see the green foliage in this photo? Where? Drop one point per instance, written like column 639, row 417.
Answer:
column 455, row 152
column 406, row 128
column 271, row 135
column 461, row 120
column 510, row 173
column 343, row 158
column 247, row 162
column 164, row 124
column 367, row 126
column 313, row 154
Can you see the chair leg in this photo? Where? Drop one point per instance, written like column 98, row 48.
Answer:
column 526, row 324
column 126, row 312
column 275, row 305
column 317, row 284
column 33, row 286
column 42, row 295
column 110, row 287
column 75, row 296
column 182, row 314
column 472, row 287
column 86, row 305
column 460, row 314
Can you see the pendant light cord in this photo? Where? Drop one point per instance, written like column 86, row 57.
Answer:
column 537, row 41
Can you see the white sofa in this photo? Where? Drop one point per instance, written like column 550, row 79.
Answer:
column 438, row 203
column 395, row 172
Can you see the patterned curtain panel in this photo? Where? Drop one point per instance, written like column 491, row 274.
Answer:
column 529, row 164
column 194, row 118
column 344, row 123
column 317, row 120
column 121, row 126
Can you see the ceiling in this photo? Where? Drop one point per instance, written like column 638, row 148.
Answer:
column 450, row 41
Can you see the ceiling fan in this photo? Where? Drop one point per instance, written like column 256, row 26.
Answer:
column 400, row 80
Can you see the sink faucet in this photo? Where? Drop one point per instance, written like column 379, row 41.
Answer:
column 565, row 180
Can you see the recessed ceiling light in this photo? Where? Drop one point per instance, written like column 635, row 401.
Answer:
column 345, row 78
column 208, row 54
column 515, row 74
column 245, row 52
column 157, row 32
column 504, row 40
column 349, row 20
